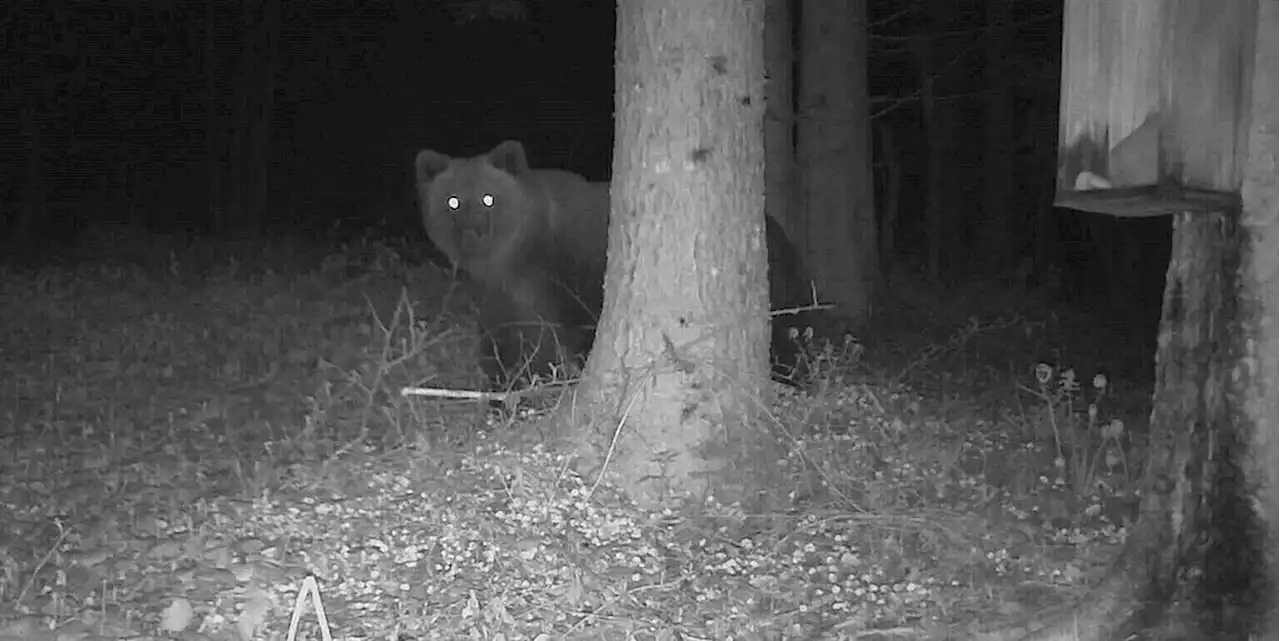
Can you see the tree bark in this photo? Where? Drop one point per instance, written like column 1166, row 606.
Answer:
column 680, row 359
column 1255, row 377
column 834, row 150
column 1206, row 539
column 1191, row 437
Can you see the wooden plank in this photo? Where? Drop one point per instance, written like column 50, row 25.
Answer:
column 1143, row 202
column 1207, row 80
column 1154, row 94
column 1111, row 59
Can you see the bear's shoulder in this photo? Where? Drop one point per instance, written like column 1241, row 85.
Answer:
column 569, row 193
column 560, row 182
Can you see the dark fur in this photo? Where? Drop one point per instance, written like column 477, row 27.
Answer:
column 789, row 288
column 534, row 240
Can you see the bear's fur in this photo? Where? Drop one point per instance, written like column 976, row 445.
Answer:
column 534, row 241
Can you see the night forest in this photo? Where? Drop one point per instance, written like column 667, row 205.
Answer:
column 118, row 111
column 395, row 319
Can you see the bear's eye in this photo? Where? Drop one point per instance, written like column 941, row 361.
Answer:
column 453, row 202
column 487, row 199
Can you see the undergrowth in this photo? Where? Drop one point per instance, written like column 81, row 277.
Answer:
column 186, row 442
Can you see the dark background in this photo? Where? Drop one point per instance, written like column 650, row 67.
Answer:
column 114, row 93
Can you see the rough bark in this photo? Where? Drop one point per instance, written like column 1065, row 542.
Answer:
column 1207, row 536
column 680, row 359
column 834, row 152
column 1191, row 433
column 1255, row 378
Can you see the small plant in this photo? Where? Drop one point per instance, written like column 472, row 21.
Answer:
column 1083, row 444
column 821, row 359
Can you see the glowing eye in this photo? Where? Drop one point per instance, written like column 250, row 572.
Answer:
column 487, row 199
column 453, row 202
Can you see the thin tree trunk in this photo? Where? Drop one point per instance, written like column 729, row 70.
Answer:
column 236, row 175
column 834, row 150
column 214, row 138
column 937, row 134
column 997, row 158
column 262, row 71
column 889, row 198
column 33, row 197
column 779, row 117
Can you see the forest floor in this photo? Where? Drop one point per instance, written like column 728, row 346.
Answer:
column 205, row 441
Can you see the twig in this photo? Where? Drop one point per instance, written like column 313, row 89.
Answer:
column 62, row 534
column 473, row 395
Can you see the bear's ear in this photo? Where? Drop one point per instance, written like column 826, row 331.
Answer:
column 429, row 164
column 509, row 157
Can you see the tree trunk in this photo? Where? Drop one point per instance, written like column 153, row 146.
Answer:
column 1255, row 380
column 834, row 148
column 889, row 199
column 779, row 116
column 937, row 133
column 1190, row 436
column 1206, row 539
column 240, row 139
column 260, row 90
column 680, row 359
column 993, row 237
column 1041, row 181
column 34, row 93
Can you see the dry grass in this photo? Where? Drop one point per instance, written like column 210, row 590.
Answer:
column 183, row 444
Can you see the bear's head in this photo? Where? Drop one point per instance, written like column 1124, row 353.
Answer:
column 477, row 210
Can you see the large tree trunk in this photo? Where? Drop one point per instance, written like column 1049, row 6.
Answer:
column 1255, row 378
column 888, row 198
column 1188, row 493
column 1206, row 540
column 681, row 353
column 834, row 150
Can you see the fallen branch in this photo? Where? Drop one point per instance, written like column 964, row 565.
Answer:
column 474, row 395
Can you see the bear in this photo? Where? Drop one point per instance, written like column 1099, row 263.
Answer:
column 534, row 241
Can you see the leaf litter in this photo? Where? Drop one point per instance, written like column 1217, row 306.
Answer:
column 182, row 461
